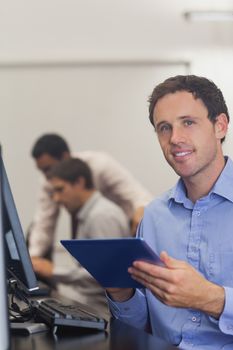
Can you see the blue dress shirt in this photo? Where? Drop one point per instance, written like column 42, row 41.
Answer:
column 200, row 233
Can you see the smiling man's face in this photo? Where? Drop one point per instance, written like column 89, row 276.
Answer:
column 191, row 143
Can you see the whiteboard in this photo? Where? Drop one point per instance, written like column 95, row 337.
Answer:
column 95, row 106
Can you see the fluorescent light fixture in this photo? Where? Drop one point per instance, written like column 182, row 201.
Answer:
column 221, row 16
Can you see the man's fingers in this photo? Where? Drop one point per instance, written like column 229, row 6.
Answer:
column 143, row 270
column 170, row 262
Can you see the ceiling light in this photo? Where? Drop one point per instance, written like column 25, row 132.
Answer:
column 209, row 16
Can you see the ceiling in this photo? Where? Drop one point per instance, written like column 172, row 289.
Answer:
column 83, row 29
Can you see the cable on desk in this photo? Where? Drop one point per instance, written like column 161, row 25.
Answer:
column 19, row 314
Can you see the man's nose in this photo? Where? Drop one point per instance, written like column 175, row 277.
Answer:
column 177, row 135
column 56, row 197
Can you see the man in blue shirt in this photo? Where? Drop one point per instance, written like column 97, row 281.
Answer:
column 189, row 300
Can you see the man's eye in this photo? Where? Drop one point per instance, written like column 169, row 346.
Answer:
column 58, row 190
column 188, row 122
column 164, row 128
column 46, row 170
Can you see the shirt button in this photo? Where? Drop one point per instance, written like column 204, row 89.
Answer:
column 194, row 319
column 198, row 213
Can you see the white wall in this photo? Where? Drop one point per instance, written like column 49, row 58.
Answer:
column 216, row 64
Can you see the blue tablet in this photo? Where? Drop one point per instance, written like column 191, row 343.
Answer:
column 108, row 260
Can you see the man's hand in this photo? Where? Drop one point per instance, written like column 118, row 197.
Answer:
column 120, row 294
column 43, row 267
column 178, row 284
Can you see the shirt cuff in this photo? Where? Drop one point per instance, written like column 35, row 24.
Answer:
column 132, row 311
column 226, row 319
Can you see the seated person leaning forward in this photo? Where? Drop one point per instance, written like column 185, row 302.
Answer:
column 97, row 217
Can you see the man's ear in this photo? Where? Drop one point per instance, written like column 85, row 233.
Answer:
column 65, row 155
column 221, row 126
column 81, row 182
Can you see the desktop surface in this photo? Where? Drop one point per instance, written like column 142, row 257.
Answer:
column 119, row 336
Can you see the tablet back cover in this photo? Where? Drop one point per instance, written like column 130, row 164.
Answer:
column 107, row 260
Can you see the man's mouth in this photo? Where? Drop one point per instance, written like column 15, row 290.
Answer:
column 181, row 154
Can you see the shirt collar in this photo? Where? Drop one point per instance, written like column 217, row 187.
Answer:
column 178, row 193
column 224, row 184
column 222, row 187
column 87, row 207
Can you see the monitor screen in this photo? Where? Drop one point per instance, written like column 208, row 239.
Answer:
column 19, row 264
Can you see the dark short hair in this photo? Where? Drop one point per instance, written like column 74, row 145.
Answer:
column 71, row 170
column 200, row 87
column 52, row 144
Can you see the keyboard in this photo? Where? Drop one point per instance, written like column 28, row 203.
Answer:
column 58, row 314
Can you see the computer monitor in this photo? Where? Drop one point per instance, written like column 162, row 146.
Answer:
column 4, row 329
column 18, row 261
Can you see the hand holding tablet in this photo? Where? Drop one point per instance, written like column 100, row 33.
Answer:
column 108, row 260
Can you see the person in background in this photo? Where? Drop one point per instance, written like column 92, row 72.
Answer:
column 189, row 300
column 110, row 178
column 96, row 217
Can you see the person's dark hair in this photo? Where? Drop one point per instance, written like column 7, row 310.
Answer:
column 71, row 170
column 200, row 87
column 52, row 144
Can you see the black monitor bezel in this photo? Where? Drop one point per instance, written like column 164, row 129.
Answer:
column 5, row 333
column 26, row 278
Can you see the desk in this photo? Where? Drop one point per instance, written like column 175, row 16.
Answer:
column 119, row 337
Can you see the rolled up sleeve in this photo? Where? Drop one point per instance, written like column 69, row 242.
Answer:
column 133, row 311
